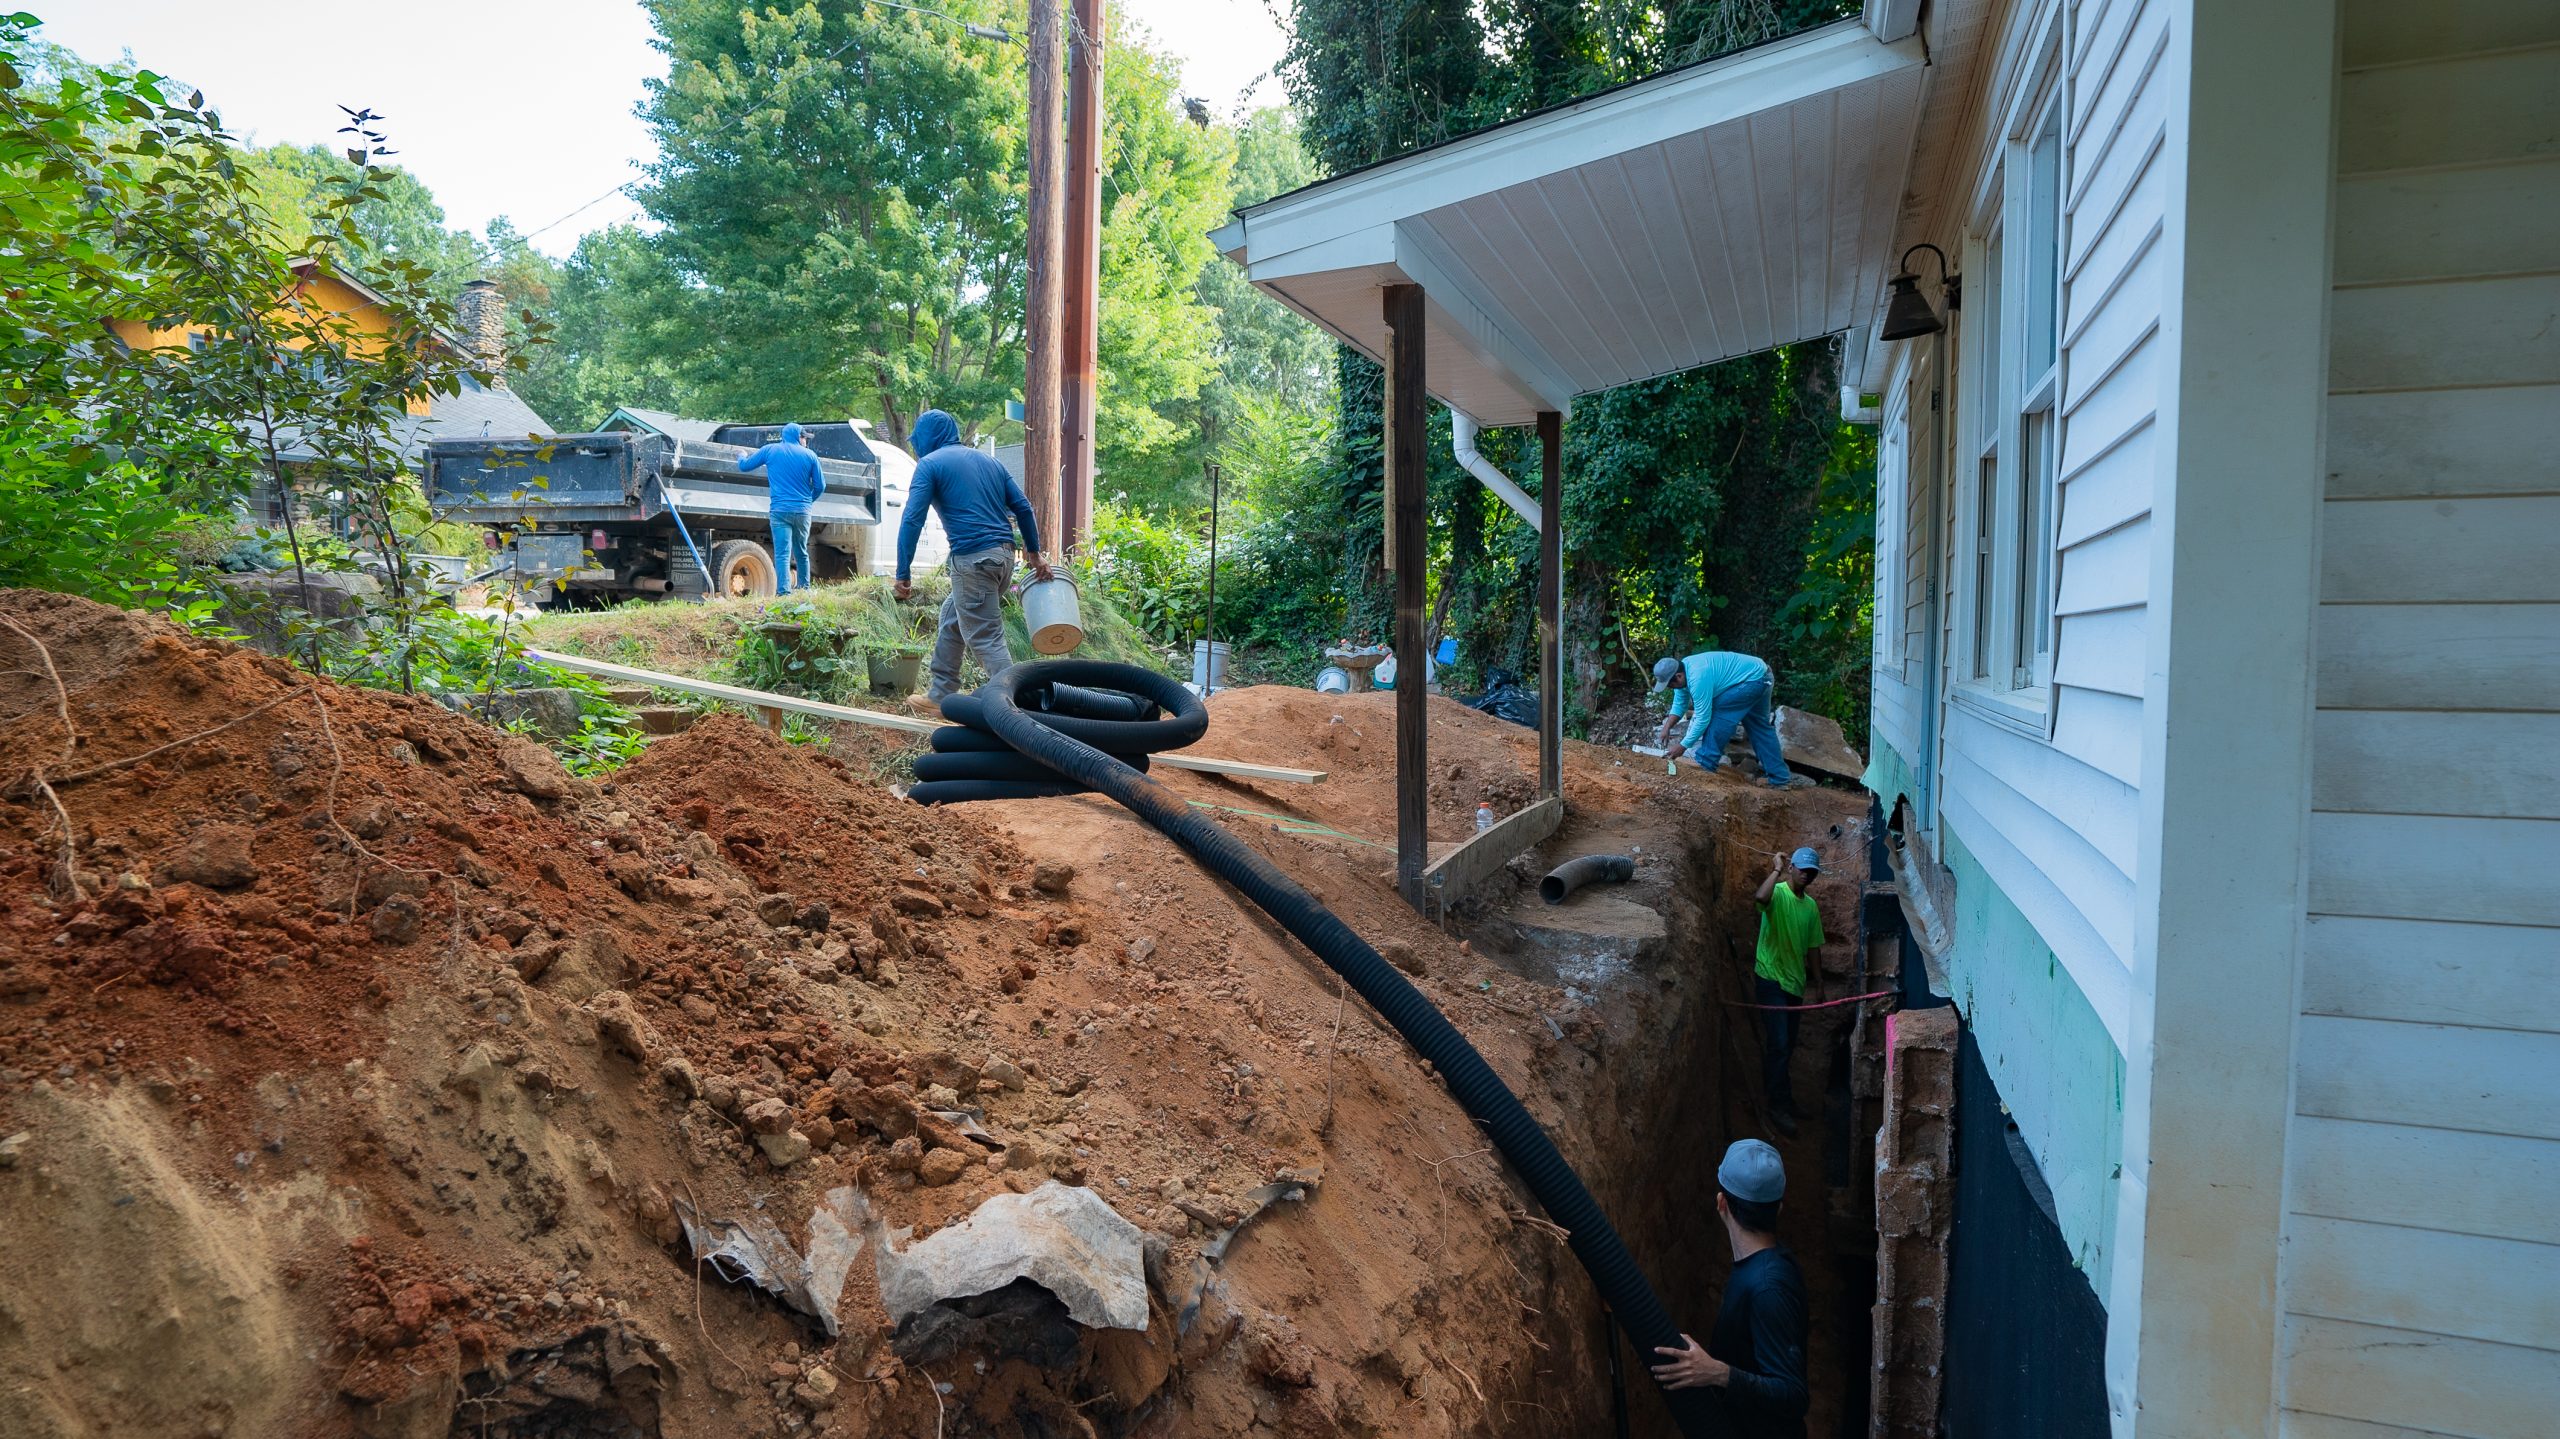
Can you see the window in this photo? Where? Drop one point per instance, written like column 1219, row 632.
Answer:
column 2014, row 293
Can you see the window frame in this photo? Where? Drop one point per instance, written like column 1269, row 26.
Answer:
column 2012, row 430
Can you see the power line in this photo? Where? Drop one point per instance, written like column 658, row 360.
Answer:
column 975, row 31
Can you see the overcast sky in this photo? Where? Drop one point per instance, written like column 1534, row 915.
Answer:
column 521, row 108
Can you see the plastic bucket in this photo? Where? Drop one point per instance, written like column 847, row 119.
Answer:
column 1209, row 664
column 1333, row 680
column 1051, row 614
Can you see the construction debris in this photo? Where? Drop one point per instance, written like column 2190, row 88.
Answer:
column 1064, row 1239
column 754, row 1251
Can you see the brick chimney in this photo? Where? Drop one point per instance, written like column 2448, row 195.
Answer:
column 482, row 312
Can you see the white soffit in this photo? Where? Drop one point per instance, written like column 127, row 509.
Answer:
column 1710, row 212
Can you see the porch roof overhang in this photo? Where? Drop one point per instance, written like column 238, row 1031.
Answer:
column 1709, row 212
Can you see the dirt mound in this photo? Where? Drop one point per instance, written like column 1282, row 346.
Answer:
column 362, row 1059
column 1474, row 758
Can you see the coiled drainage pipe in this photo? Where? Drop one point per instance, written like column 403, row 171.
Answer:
column 1573, row 874
column 1082, row 753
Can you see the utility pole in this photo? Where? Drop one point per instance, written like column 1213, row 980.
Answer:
column 1043, row 292
column 1084, row 270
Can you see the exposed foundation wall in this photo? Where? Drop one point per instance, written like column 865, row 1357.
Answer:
column 1915, row 1190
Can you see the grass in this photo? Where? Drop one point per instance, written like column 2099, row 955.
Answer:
column 705, row 641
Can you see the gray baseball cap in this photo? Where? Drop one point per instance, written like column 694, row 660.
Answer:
column 1752, row 1172
column 1666, row 673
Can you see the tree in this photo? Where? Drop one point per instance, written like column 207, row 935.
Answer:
column 841, row 194
column 1702, row 507
column 234, row 372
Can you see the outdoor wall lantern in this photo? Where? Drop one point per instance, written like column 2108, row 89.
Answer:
column 1907, row 315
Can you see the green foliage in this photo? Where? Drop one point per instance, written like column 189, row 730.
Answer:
column 1718, row 507
column 1155, row 571
column 821, row 662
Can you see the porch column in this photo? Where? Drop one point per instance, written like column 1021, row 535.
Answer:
column 1551, row 605
column 1407, row 484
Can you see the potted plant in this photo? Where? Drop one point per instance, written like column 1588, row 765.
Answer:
column 897, row 669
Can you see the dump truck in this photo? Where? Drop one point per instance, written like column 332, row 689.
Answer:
column 620, row 514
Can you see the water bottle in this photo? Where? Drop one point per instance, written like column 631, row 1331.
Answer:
column 1484, row 818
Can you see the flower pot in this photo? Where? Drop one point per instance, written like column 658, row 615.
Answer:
column 896, row 673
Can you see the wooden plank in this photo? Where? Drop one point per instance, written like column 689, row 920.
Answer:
column 2424, row 443
column 1454, row 875
column 1551, row 604
column 1408, row 484
column 2487, row 1081
column 2403, row 1376
column 2491, row 871
column 2450, row 112
column 2439, row 657
column 2445, row 333
column 2436, row 762
column 2498, row 1185
column 2459, row 1284
column 907, row 724
column 2435, row 224
column 2496, row 550
column 2491, row 976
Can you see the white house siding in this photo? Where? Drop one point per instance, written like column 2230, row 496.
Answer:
column 2421, row 1282
column 2046, row 809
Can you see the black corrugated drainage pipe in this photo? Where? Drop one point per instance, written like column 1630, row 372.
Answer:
column 1573, row 874
column 1075, row 748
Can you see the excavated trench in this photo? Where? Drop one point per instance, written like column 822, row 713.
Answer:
column 1661, row 1072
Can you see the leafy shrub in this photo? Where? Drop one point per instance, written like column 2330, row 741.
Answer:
column 1155, row 571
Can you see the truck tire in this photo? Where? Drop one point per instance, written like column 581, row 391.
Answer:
column 742, row 569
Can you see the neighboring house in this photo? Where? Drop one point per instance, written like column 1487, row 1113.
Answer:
column 658, row 422
column 2217, row 683
column 473, row 410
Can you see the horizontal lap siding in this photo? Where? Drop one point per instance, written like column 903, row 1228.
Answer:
column 2422, row 1278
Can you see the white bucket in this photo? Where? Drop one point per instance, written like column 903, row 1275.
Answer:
column 1333, row 680
column 1051, row 614
column 1209, row 664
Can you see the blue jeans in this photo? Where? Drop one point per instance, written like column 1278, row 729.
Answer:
column 790, row 547
column 1746, row 705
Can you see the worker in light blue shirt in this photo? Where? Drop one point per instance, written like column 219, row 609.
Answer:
column 1719, row 689
column 980, row 504
column 792, row 482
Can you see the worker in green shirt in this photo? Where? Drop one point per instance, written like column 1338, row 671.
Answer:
column 1785, row 971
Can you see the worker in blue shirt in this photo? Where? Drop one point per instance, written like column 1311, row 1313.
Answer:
column 792, row 484
column 980, row 504
column 1720, row 689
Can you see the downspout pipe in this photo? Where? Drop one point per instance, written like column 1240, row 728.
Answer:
column 1462, row 440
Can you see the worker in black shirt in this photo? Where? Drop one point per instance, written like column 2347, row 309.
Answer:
column 1756, row 1354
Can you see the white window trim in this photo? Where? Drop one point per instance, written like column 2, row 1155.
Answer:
column 1996, row 432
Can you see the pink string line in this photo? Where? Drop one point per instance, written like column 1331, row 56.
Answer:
column 1826, row 1004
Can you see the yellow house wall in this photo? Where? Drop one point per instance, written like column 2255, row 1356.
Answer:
column 335, row 298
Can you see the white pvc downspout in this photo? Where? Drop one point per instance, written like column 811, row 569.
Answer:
column 1462, row 440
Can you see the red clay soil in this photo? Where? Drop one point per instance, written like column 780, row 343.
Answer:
column 358, row 1057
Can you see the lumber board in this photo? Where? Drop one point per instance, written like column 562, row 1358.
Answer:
column 1451, row 876
column 760, row 701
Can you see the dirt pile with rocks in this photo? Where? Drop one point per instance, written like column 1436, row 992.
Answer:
column 357, row 1066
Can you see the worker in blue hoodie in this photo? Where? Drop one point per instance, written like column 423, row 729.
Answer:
column 980, row 504
column 792, row 483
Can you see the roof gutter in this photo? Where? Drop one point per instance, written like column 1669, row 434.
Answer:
column 1462, row 441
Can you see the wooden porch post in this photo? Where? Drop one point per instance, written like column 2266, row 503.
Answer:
column 1551, row 605
column 1407, row 485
